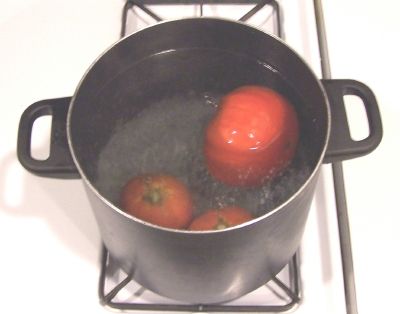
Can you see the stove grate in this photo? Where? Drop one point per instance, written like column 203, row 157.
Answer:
column 287, row 291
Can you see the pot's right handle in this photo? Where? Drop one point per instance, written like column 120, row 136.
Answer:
column 59, row 164
column 341, row 146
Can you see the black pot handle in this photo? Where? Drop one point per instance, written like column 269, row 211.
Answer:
column 341, row 146
column 59, row 164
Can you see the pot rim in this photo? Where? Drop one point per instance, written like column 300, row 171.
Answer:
column 183, row 231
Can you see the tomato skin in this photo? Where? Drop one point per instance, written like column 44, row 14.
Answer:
column 252, row 138
column 159, row 199
column 215, row 219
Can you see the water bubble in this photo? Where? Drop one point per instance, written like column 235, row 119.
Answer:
column 211, row 100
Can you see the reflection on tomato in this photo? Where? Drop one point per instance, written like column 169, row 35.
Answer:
column 253, row 136
column 159, row 199
column 216, row 219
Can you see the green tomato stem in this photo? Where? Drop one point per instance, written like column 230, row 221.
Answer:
column 153, row 196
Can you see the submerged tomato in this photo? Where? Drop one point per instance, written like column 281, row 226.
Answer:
column 216, row 219
column 160, row 199
column 252, row 138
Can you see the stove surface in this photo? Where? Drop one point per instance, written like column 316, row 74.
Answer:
column 50, row 242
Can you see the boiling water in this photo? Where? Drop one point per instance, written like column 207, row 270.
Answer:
column 167, row 136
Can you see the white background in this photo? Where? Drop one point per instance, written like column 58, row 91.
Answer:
column 48, row 239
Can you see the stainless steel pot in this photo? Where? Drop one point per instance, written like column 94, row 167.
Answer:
column 197, row 57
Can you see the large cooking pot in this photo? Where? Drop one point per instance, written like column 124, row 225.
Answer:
column 142, row 106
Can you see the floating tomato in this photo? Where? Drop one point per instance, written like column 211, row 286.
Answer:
column 252, row 138
column 160, row 199
column 216, row 219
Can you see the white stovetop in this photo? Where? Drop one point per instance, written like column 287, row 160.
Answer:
column 48, row 238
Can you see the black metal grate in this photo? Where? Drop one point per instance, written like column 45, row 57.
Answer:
column 288, row 291
column 258, row 5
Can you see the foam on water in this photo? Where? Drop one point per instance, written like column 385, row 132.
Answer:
column 167, row 137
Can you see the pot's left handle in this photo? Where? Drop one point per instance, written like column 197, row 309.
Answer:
column 59, row 164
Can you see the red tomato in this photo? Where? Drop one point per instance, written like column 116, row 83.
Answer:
column 252, row 138
column 160, row 199
column 216, row 219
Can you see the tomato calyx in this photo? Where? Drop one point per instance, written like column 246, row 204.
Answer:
column 154, row 196
column 221, row 223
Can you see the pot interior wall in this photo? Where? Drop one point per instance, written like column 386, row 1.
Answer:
column 144, row 110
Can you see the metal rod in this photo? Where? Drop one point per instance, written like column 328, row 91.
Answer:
column 345, row 239
column 148, row 11
column 188, row 2
column 322, row 40
column 110, row 295
column 279, row 19
column 294, row 274
column 102, row 277
column 287, row 290
column 254, row 10
column 128, row 5
column 338, row 180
